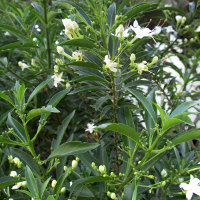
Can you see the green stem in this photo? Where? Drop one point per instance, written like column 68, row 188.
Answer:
column 134, row 196
column 47, row 34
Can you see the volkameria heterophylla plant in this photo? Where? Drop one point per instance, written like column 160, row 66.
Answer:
column 93, row 113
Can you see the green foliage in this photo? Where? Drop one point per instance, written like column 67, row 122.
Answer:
column 105, row 109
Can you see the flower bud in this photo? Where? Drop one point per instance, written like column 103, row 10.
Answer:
column 155, row 60
column 56, row 68
column 150, row 176
column 13, row 174
column 183, row 20
column 163, row 183
column 164, row 173
column 113, row 195
column 101, row 169
column 60, row 50
column 53, row 183
column 77, row 159
column 108, row 193
column 63, row 190
column 178, row 18
column 93, row 165
column 132, row 57
column 23, row 183
column 10, row 159
column 33, row 62
column 74, row 164
column 65, row 168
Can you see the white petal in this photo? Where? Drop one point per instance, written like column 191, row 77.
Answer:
column 189, row 194
column 135, row 24
column 196, row 190
column 184, row 186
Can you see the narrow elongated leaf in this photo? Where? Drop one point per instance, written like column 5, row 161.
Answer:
column 80, row 43
column 26, row 159
column 7, row 98
column 89, row 78
column 72, row 148
column 144, row 101
column 36, row 112
column 139, row 8
column 62, row 129
column 38, row 89
column 111, row 14
column 88, row 180
column 89, row 65
column 86, row 88
column 17, row 128
column 122, row 129
column 31, row 182
column 186, row 136
column 183, row 107
column 6, row 140
column 12, row 30
column 7, row 181
column 18, row 45
column 44, row 186
column 83, row 15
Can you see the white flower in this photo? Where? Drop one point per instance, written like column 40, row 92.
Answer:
column 53, row 183
column 56, row 42
column 38, row 29
column 34, row 39
column 113, row 195
column 60, row 50
column 121, row 32
column 192, row 187
column 111, row 65
column 36, row 26
column 78, row 56
column 164, row 173
column 70, row 183
column 19, row 184
column 101, row 169
column 144, row 32
column 74, row 164
column 57, row 78
column 141, row 67
column 6, row 33
column 23, row 65
column 67, row 85
column 178, row 18
column 90, row 127
column 13, row 174
column 70, row 27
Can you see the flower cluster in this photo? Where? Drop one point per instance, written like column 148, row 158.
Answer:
column 71, row 28
column 112, row 66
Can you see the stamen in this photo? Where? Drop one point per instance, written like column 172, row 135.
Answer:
column 164, row 23
column 148, row 23
column 159, row 22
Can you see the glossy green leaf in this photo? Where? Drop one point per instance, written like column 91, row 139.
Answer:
column 61, row 130
column 36, row 112
column 17, row 45
column 44, row 186
column 79, row 43
column 183, row 107
column 122, row 129
column 84, row 17
column 144, row 101
column 6, row 98
column 31, row 182
column 186, row 136
column 38, row 89
column 72, row 148
column 17, row 128
column 86, row 88
column 7, row 181
column 12, row 30
column 138, row 9
column 6, row 140
column 89, row 65
column 89, row 78
column 111, row 14
column 26, row 159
